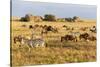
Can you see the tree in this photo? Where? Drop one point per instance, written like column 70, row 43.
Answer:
column 26, row 18
column 49, row 17
column 75, row 18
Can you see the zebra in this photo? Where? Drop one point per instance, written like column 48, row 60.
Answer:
column 33, row 41
column 38, row 42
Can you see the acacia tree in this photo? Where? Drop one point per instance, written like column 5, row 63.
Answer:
column 49, row 17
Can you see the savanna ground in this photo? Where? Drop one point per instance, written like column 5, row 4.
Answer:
column 56, row 52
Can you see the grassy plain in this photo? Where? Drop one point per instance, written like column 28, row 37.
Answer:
column 70, row 52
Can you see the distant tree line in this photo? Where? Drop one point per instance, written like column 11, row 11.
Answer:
column 49, row 17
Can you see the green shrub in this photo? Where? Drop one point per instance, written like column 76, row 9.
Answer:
column 49, row 17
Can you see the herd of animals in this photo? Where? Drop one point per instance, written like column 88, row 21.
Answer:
column 45, row 29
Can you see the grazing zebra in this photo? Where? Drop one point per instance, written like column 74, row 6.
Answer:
column 34, row 42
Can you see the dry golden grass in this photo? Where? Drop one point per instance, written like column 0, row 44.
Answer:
column 53, row 54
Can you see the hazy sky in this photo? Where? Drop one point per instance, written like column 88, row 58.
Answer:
column 20, row 8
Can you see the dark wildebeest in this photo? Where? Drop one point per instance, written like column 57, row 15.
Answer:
column 46, row 29
column 93, row 29
column 66, row 27
column 87, row 37
column 18, row 39
column 92, row 38
column 45, row 26
column 41, row 26
column 68, row 38
column 49, row 28
column 84, row 36
column 30, row 27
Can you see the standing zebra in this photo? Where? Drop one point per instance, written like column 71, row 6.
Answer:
column 34, row 42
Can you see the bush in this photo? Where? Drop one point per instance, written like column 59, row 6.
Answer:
column 22, row 19
column 49, row 17
column 25, row 19
column 61, row 19
column 69, row 19
column 75, row 17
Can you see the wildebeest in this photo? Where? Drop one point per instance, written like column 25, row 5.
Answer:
column 49, row 28
column 41, row 26
column 92, row 38
column 84, row 36
column 46, row 29
column 64, row 26
column 68, row 28
column 45, row 26
column 69, row 38
column 55, row 30
column 30, row 27
column 18, row 39
column 87, row 37
column 93, row 29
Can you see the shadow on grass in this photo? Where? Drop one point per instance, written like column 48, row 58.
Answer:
column 72, row 45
